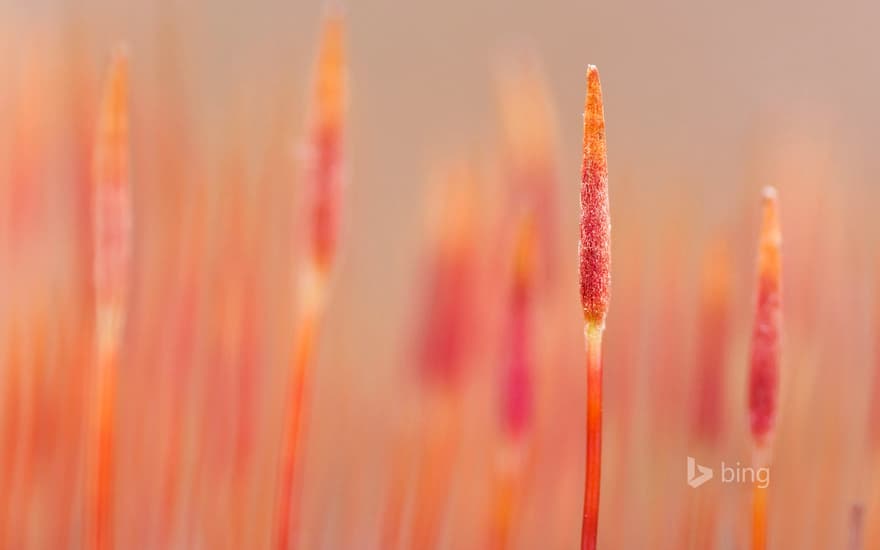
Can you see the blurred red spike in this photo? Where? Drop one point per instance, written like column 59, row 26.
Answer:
column 112, row 203
column 763, row 389
column 766, row 335
column 516, row 390
column 325, row 161
column 112, row 250
column 445, row 342
column 445, row 335
column 595, row 240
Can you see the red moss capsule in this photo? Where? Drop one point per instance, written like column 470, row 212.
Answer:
column 595, row 238
column 766, row 335
column 325, row 158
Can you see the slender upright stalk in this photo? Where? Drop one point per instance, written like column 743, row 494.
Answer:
column 590, row 525
column 324, row 167
column 503, row 489
column 112, row 252
column 301, row 355
column 765, row 357
column 759, row 518
column 595, row 286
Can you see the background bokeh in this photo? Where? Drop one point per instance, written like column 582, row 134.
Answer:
column 705, row 104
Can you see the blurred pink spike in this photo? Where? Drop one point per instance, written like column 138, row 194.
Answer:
column 112, row 204
column 516, row 383
column 765, row 354
column 325, row 163
column 112, row 249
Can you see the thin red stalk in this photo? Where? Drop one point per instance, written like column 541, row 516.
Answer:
column 285, row 531
column 595, row 286
column 765, row 356
column 112, row 250
column 590, row 524
column 324, row 166
column 105, row 467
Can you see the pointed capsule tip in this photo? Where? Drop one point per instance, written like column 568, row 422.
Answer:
column 770, row 231
column 593, row 81
column 331, row 70
column 111, row 140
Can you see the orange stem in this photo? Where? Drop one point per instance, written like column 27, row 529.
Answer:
column 759, row 519
column 590, row 525
column 435, row 475
column 504, row 504
column 285, row 526
column 102, row 535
